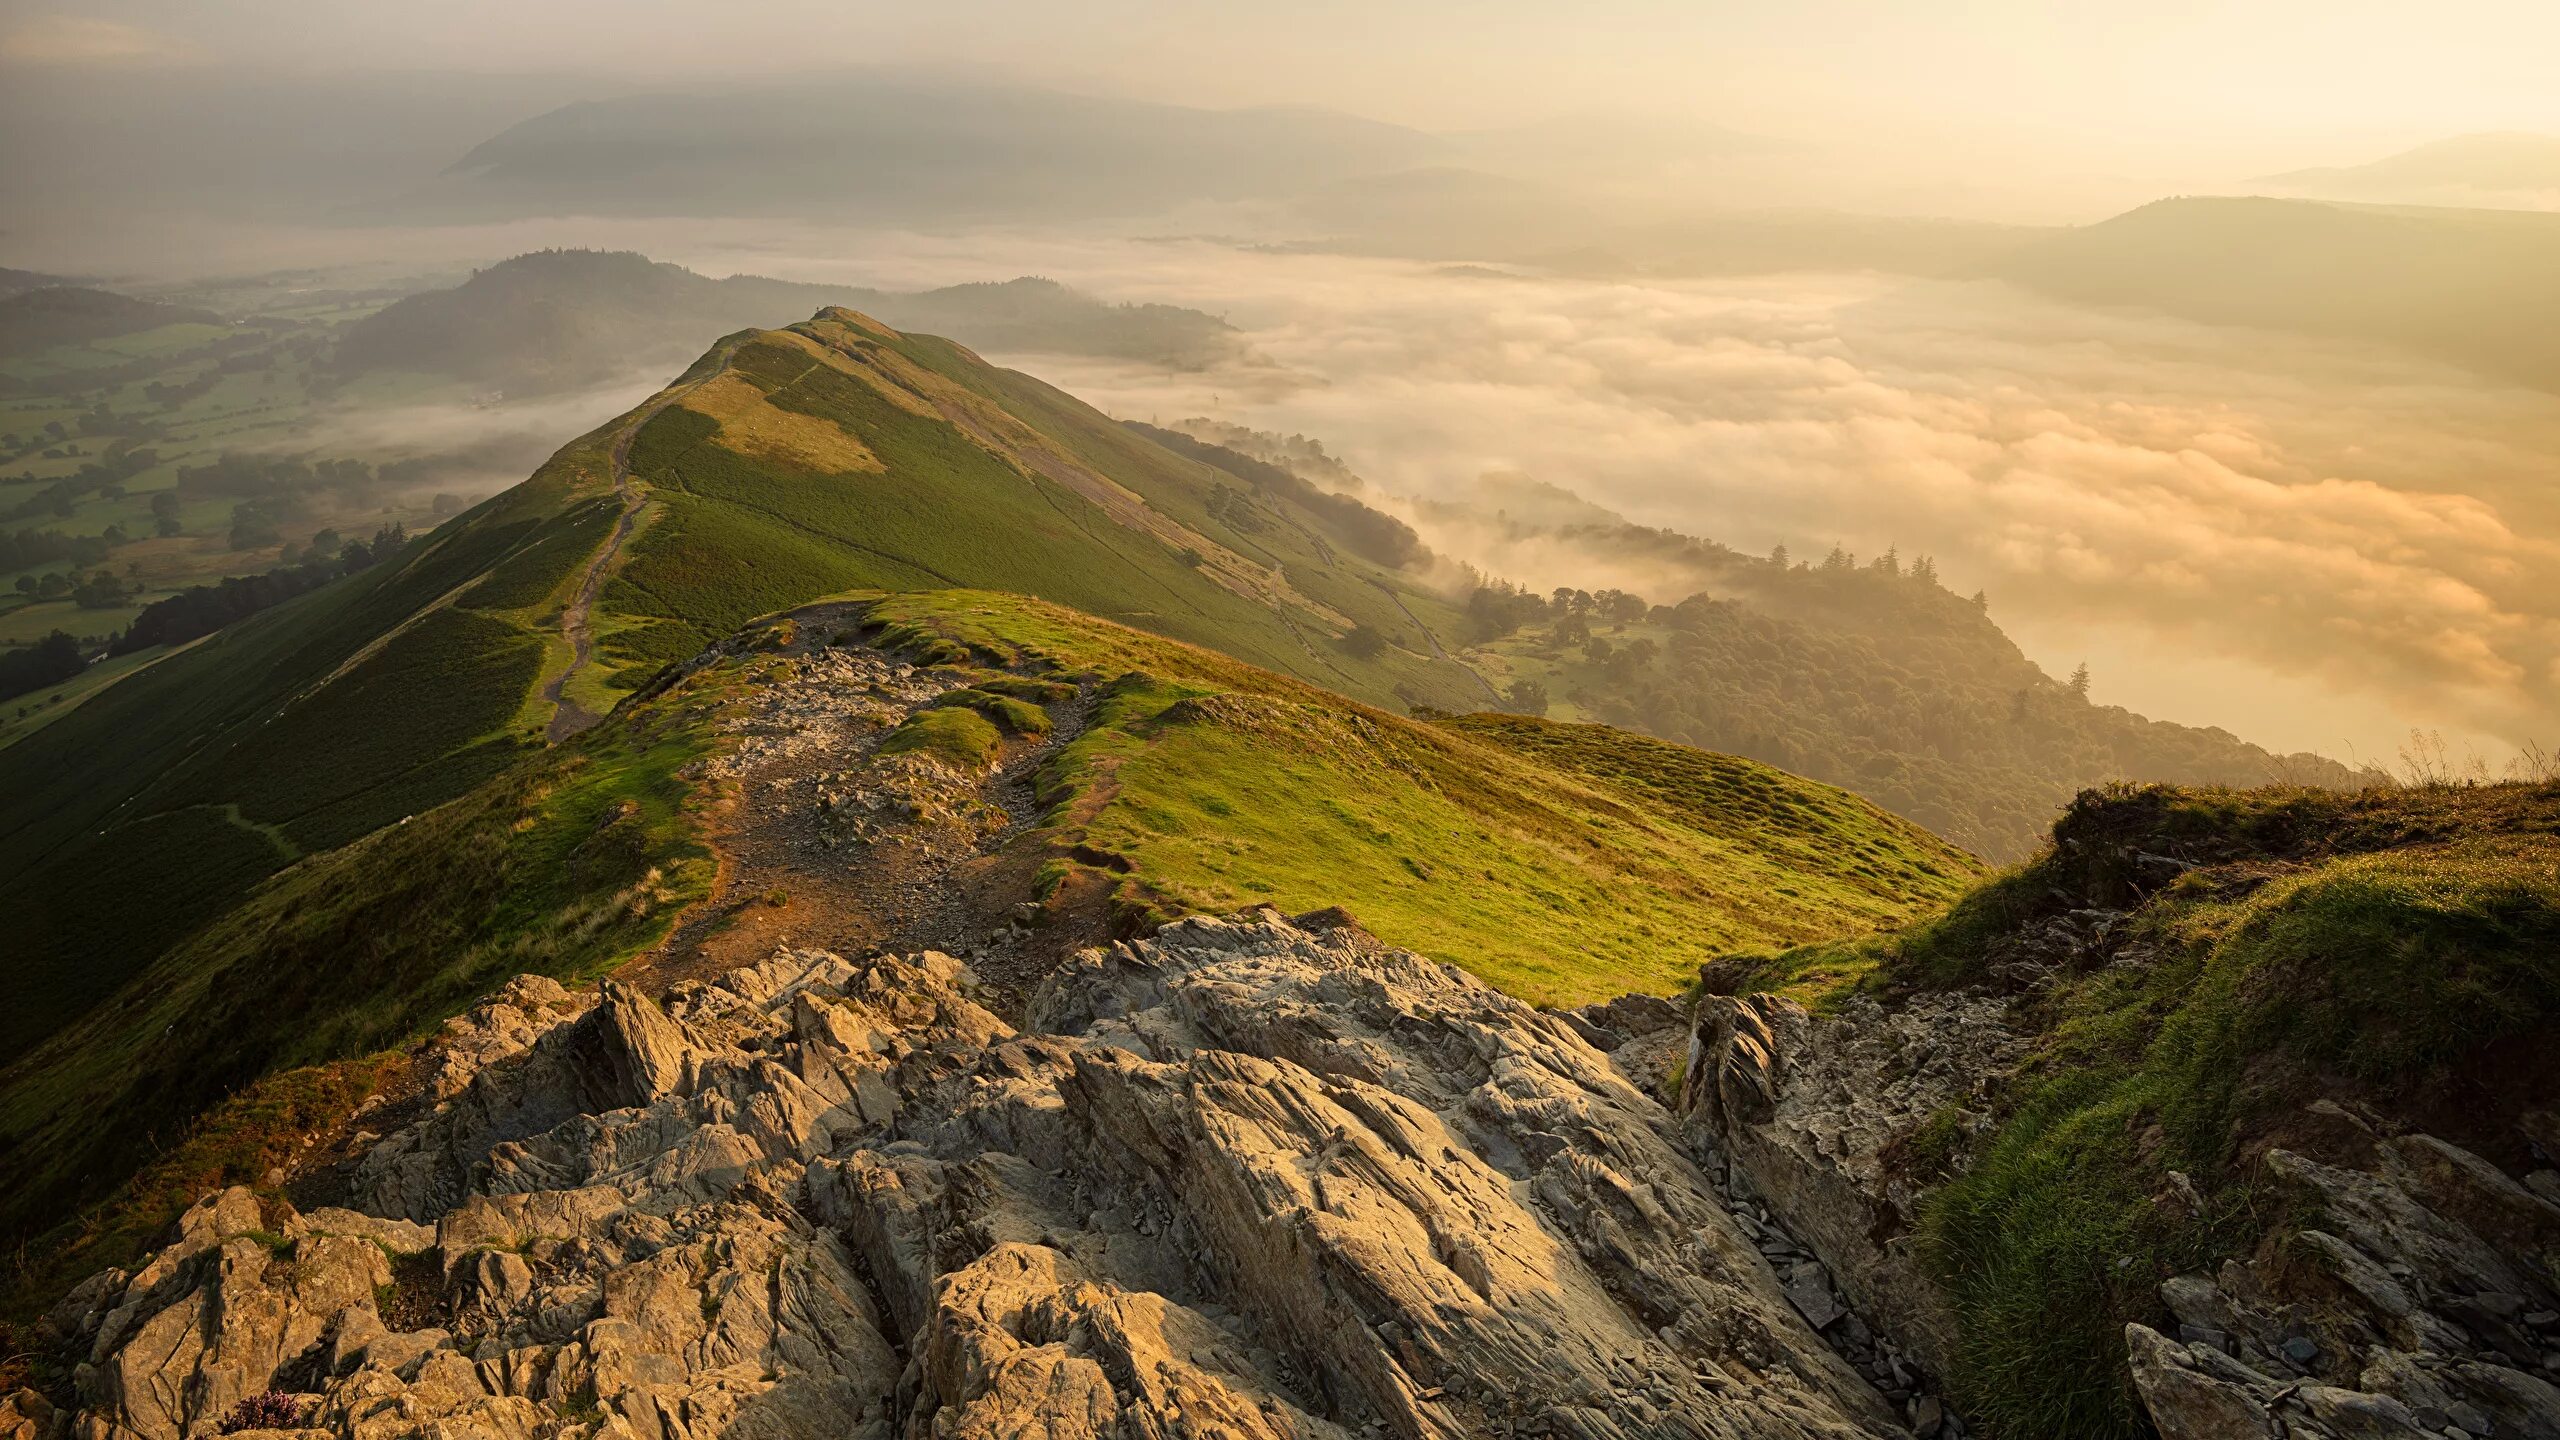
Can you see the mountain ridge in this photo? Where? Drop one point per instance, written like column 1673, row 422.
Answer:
column 2466, row 286
column 554, row 319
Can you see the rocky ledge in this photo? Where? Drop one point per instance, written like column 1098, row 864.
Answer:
column 2410, row 1288
column 1250, row 1178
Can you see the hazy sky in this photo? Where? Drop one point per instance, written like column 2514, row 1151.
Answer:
column 2269, row 81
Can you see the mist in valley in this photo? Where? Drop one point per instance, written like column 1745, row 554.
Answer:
column 1755, row 315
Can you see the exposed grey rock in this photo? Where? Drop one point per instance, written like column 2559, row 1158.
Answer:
column 1247, row 1179
column 1810, row 1112
column 2400, row 1318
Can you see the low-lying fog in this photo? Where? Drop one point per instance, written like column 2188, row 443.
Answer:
column 2317, row 545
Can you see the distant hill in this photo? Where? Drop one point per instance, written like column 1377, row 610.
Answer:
column 2498, row 168
column 13, row 281
column 1873, row 679
column 896, row 148
column 2475, row 287
column 38, row 319
column 560, row 318
column 1869, row 675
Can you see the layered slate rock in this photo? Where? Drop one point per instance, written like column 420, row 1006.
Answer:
column 1249, row 1178
column 2420, row 1298
column 1812, row 1115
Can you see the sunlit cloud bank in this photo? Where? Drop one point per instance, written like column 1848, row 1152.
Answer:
column 2350, row 525
column 2315, row 545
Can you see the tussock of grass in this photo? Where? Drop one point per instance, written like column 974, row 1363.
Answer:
column 1014, row 717
column 958, row 737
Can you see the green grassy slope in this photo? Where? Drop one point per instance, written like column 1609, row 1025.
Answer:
column 151, row 808
column 567, row 863
column 1564, row 863
column 2397, row 950
column 981, row 503
column 836, row 455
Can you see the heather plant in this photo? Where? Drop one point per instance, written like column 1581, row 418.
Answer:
column 268, row 1410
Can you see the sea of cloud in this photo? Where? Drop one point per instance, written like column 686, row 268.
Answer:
column 2315, row 544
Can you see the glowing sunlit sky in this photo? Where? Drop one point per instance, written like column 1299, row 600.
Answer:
column 2269, row 82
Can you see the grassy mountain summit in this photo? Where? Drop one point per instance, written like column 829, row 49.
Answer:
column 501, row 748
column 785, row 465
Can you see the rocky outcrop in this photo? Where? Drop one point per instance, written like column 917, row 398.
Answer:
column 2412, row 1288
column 1837, row 1124
column 1250, row 1178
column 2421, row 1298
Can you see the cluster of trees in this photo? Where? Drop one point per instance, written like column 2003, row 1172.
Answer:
column 49, row 661
column 106, row 475
column 170, row 394
column 1501, row 608
column 203, row 609
column 97, row 590
column 29, row 548
column 1889, row 686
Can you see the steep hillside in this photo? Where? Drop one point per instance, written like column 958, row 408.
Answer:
column 786, row 465
column 1870, row 676
column 2268, row 1072
column 560, row 318
column 2470, row 286
column 965, row 771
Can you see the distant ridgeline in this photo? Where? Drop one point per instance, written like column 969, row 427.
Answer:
column 559, row 318
column 2473, row 287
